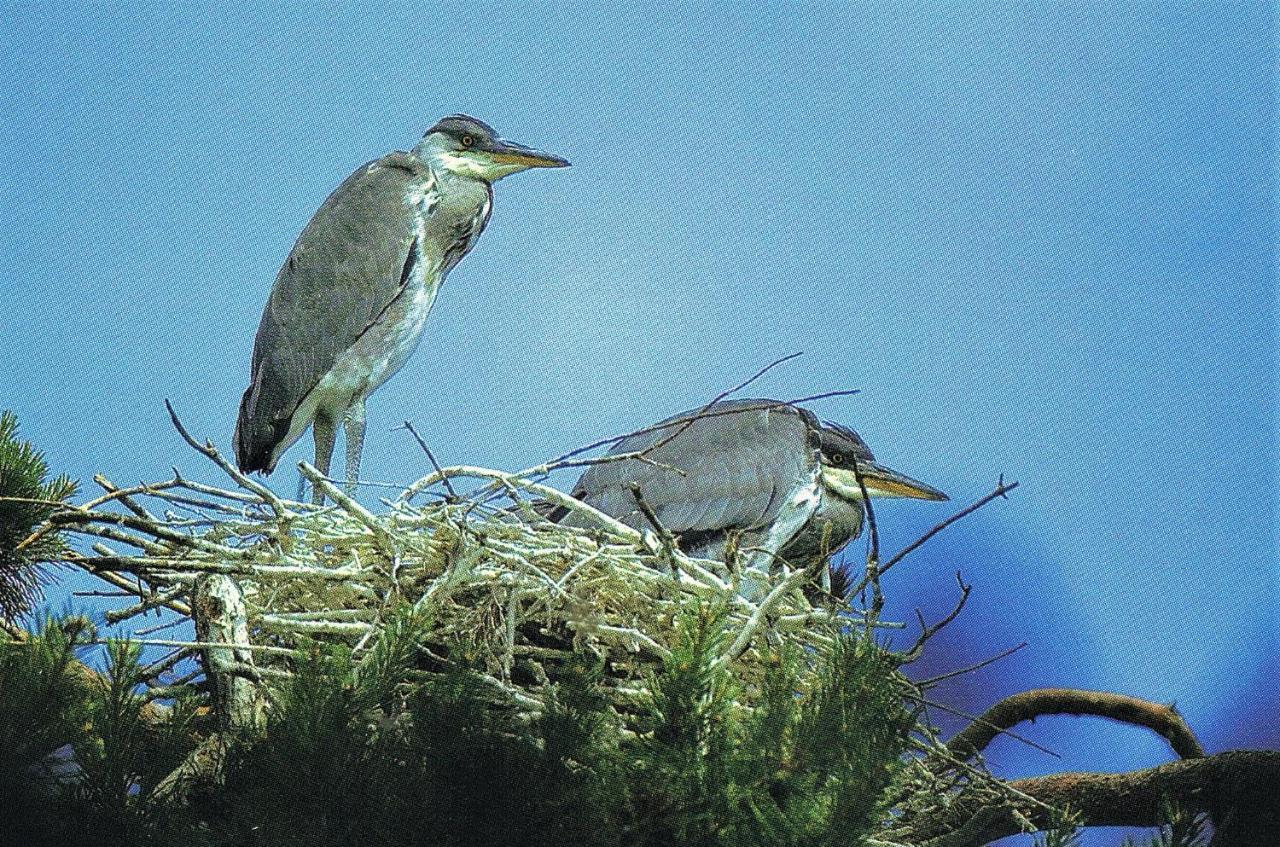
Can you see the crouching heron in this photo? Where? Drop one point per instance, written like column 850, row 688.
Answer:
column 763, row 474
column 350, row 302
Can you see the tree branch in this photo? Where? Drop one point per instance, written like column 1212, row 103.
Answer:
column 1236, row 788
column 1029, row 705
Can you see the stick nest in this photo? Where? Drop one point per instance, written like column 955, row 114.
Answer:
column 506, row 592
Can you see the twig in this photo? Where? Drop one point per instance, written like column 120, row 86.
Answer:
column 872, row 574
column 1237, row 788
column 349, row 505
column 980, row 720
column 748, row 631
column 448, row 485
column 1001, row 490
column 267, row 495
column 934, row 680
column 546, row 492
column 595, row 445
column 927, row 632
column 120, row 582
column 664, row 535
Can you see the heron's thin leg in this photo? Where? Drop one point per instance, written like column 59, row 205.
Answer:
column 353, row 428
column 325, row 432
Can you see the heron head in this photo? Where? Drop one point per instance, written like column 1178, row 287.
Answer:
column 469, row 147
column 842, row 451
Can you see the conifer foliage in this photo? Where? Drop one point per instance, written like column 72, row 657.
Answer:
column 352, row 755
column 432, row 728
column 27, row 498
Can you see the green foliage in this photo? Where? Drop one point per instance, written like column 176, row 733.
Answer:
column 43, row 706
column 1181, row 829
column 351, row 755
column 799, row 770
column 50, row 702
column 33, row 497
column 1064, row 833
column 128, row 750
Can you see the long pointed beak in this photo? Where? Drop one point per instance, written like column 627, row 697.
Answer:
column 510, row 153
column 886, row 482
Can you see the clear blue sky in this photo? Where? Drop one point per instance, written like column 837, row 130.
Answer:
column 1039, row 237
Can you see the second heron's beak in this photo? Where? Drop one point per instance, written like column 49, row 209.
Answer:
column 879, row 481
column 510, row 153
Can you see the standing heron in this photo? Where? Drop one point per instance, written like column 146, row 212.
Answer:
column 350, row 302
column 768, row 475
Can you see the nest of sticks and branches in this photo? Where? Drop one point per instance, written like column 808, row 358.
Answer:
column 504, row 592
column 494, row 588
column 507, row 593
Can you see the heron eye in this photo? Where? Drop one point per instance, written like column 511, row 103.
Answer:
column 837, row 458
column 468, row 140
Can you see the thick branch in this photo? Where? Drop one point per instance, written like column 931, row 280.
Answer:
column 1237, row 789
column 1029, row 705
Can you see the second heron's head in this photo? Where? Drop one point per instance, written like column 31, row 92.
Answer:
column 469, row 147
column 842, row 450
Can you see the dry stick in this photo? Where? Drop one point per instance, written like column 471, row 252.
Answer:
column 202, row 645
column 664, row 535
column 595, row 445
column 448, row 485
column 1001, row 490
column 934, row 680
column 120, row 582
column 978, row 719
column 559, row 498
column 643, row 455
column 723, row 394
column 740, row 644
column 160, row 627
column 147, row 602
column 269, row 496
column 156, row 530
column 872, row 575
column 927, row 632
column 115, row 493
column 148, row 673
column 1029, row 705
column 1237, row 787
column 213, row 491
column 349, row 505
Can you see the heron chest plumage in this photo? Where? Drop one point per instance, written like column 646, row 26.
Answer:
column 447, row 219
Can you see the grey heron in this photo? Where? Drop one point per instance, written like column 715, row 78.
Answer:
column 349, row 304
column 769, row 475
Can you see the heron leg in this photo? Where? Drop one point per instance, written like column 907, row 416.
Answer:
column 353, row 430
column 325, row 433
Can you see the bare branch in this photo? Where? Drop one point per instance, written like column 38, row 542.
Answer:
column 1029, row 705
column 268, row 496
column 603, row 442
column 934, row 680
column 448, row 485
column 1236, row 788
column 927, row 632
column 1001, row 490
column 664, row 535
column 872, row 574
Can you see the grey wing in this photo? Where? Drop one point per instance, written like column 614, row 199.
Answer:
column 741, row 462
column 346, row 267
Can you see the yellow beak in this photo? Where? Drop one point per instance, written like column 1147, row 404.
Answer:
column 879, row 481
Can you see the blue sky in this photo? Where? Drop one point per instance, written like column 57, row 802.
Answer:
column 1039, row 238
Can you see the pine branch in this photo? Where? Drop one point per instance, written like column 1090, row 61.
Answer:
column 1030, row 705
column 1236, row 788
column 27, row 499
